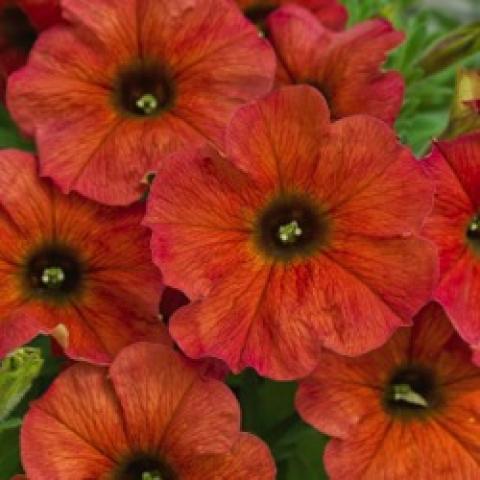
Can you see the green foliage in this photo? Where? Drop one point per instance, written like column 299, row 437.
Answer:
column 10, row 137
column 10, row 428
column 429, row 91
column 9, row 449
column 268, row 411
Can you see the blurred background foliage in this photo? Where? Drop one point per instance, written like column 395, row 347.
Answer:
column 441, row 37
column 429, row 92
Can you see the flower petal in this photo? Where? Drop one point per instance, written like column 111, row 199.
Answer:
column 346, row 65
column 249, row 459
column 289, row 125
column 177, row 416
column 86, row 425
column 192, row 238
column 453, row 210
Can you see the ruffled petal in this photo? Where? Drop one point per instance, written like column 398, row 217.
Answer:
column 249, row 459
column 177, row 419
column 344, row 66
column 81, row 413
column 289, row 125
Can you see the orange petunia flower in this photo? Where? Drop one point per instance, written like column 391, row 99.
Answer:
column 135, row 80
column 306, row 235
column 151, row 416
column 454, row 226
column 20, row 23
column 331, row 13
column 72, row 268
column 408, row 410
column 345, row 67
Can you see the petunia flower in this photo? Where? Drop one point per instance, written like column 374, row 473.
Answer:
column 130, row 81
column 20, row 23
column 345, row 67
column 306, row 235
column 331, row 13
column 454, row 226
column 408, row 410
column 151, row 416
column 72, row 268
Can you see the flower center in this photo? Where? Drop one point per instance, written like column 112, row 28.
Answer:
column 473, row 232
column 144, row 467
column 53, row 272
column 144, row 89
column 16, row 29
column 413, row 390
column 258, row 14
column 290, row 226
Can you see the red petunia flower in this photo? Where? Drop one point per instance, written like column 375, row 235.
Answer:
column 331, row 13
column 150, row 416
column 306, row 236
column 454, row 226
column 344, row 67
column 135, row 80
column 20, row 23
column 408, row 410
column 72, row 268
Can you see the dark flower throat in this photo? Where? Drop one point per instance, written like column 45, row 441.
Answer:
column 144, row 89
column 15, row 29
column 144, row 467
column 53, row 272
column 290, row 226
column 412, row 391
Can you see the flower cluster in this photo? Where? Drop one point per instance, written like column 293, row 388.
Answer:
column 217, row 186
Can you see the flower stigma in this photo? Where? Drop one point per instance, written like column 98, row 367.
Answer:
column 148, row 103
column 152, row 475
column 474, row 227
column 53, row 277
column 404, row 393
column 290, row 232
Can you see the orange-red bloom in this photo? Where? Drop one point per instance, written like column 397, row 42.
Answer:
column 408, row 410
column 71, row 267
column 149, row 414
column 129, row 81
column 454, row 226
column 306, row 235
column 20, row 22
column 331, row 13
column 345, row 67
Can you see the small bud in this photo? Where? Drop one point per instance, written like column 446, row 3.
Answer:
column 17, row 372
column 465, row 111
column 451, row 48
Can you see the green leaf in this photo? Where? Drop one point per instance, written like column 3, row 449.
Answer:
column 10, row 136
column 305, row 460
column 268, row 411
column 9, row 450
